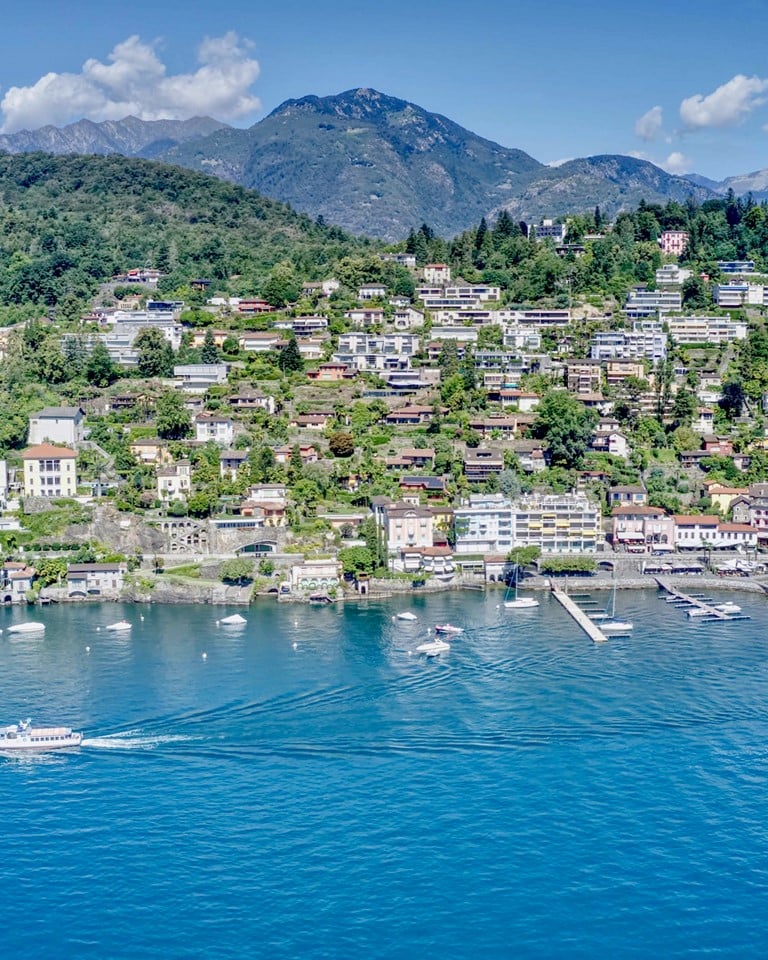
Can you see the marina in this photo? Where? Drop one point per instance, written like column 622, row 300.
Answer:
column 704, row 609
column 589, row 626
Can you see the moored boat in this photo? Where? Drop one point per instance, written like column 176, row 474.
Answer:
column 406, row 615
column 233, row 621
column 433, row 648
column 23, row 736
column 31, row 626
column 727, row 607
column 120, row 626
column 448, row 628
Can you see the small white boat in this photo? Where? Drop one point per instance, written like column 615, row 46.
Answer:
column 407, row 615
column 616, row 626
column 433, row 648
column 120, row 627
column 448, row 628
column 30, row 626
column 727, row 607
column 518, row 603
column 23, row 736
column 233, row 621
column 521, row 603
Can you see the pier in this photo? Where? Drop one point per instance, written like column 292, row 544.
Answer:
column 682, row 600
column 588, row 626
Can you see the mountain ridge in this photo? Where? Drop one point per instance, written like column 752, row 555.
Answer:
column 377, row 165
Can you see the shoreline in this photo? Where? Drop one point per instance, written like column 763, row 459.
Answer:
column 539, row 584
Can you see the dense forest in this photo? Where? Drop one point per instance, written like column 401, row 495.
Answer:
column 68, row 223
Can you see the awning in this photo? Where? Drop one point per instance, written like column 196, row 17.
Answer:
column 630, row 535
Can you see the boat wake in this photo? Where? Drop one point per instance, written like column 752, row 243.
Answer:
column 132, row 741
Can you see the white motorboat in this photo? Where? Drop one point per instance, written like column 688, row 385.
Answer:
column 727, row 607
column 23, row 736
column 120, row 627
column 233, row 621
column 433, row 648
column 407, row 615
column 30, row 626
column 448, row 628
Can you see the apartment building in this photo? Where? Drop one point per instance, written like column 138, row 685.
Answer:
column 49, row 471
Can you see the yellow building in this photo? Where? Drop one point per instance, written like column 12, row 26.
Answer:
column 49, row 471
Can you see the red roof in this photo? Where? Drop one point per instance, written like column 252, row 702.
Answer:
column 47, row 451
column 703, row 521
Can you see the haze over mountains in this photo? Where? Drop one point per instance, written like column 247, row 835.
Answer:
column 380, row 166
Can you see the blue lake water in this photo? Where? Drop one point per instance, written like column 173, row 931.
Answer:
column 312, row 788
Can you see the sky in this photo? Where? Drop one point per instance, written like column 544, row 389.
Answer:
column 684, row 85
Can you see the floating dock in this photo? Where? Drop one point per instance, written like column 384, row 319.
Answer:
column 588, row 626
column 711, row 614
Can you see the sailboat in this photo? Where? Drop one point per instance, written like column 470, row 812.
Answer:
column 612, row 625
column 518, row 603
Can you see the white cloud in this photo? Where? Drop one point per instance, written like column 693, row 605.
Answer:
column 726, row 106
column 649, row 125
column 134, row 82
column 676, row 162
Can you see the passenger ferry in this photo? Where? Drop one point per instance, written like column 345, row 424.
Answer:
column 23, row 736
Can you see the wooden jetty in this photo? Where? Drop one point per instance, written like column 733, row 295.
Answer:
column 589, row 627
column 685, row 599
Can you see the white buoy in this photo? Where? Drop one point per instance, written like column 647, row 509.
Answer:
column 97, row 629
column 295, row 645
column 141, row 617
column 87, row 649
column 218, row 622
column 205, row 656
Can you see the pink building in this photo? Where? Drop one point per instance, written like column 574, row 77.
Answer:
column 640, row 528
column 673, row 242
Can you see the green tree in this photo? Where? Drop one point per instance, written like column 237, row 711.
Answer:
column 173, row 420
column 357, row 560
column 239, row 571
column 341, row 444
column 290, row 356
column 155, row 353
column 100, row 369
column 567, row 427
column 209, row 352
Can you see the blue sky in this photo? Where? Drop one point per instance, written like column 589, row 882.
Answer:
column 684, row 85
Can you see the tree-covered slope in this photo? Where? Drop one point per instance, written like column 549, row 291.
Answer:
column 68, row 222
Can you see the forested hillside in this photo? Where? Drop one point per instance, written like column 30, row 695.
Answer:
column 69, row 222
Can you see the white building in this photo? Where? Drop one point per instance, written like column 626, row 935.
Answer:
column 385, row 351
column 49, row 471
column 734, row 295
column 489, row 523
column 646, row 340
column 548, row 230
column 57, row 425
column 214, row 427
column 706, row 329
column 198, row 377
column 174, row 482
column 648, row 303
column 671, row 274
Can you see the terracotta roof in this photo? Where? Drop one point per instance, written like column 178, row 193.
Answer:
column 705, row 521
column 47, row 451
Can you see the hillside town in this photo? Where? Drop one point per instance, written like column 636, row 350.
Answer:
column 418, row 428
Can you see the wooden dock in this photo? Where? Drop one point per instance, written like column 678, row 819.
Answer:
column 588, row 626
column 685, row 599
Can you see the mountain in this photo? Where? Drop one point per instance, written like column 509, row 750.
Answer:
column 375, row 165
column 755, row 183
column 369, row 162
column 614, row 183
column 130, row 136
